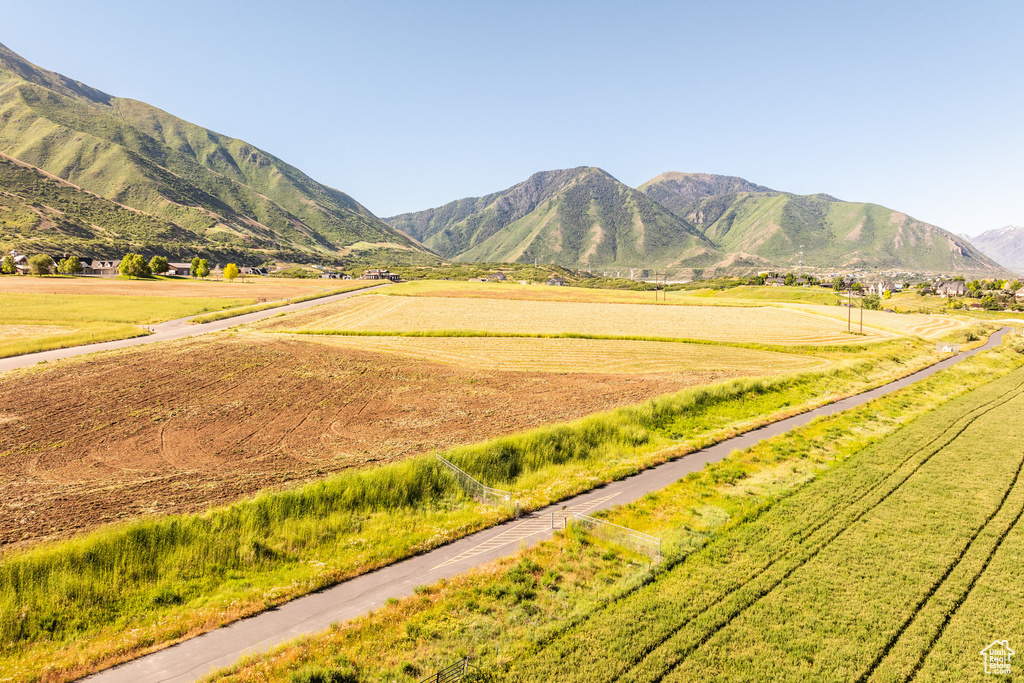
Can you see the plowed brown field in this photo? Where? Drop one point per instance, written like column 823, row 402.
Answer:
column 183, row 425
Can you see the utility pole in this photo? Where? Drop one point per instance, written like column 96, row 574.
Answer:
column 849, row 308
column 862, row 311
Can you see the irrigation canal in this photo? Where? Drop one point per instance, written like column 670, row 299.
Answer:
column 192, row 659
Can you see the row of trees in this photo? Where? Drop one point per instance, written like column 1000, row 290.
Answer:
column 132, row 265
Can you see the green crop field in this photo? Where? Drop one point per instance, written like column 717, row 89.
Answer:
column 862, row 547
column 53, row 321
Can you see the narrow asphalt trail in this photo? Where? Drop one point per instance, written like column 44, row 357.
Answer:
column 172, row 329
column 192, row 659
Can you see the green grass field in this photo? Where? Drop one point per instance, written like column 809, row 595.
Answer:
column 54, row 321
column 866, row 546
column 805, row 295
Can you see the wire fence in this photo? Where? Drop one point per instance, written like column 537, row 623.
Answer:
column 478, row 491
column 450, row 674
column 637, row 541
column 946, row 347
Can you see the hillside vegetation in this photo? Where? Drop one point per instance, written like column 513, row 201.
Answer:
column 193, row 185
column 580, row 216
column 584, row 218
column 757, row 225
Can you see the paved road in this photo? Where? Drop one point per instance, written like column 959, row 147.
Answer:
column 197, row 657
column 172, row 329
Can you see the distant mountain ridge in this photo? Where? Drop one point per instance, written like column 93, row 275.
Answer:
column 579, row 216
column 209, row 190
column 1004, row 245
column 583, row 217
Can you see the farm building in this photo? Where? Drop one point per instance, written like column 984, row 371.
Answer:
column 556, row 281
column 179, row 269
column 776, row 282
column 326, row 275
column 497, row 277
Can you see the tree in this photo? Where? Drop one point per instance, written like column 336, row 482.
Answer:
column 857, row 287
column 872, row 302
column 133, row 265
column 194, row 270
column 230, row 272
column 40, row 264
column 7, row 265
column 790, row 279
column 838, row 284
column 70, row 266
column 990, row 303
column 202, row 268
column 887, row 294
column 159, row 265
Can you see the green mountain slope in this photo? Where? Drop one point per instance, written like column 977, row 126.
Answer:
column 573, row 217
column 771, row 228
column 217, row 189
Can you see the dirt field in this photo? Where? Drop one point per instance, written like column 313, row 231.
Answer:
column 767, row 325
column 253, row 288
column 208, row 420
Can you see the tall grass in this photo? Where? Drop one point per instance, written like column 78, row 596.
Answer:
column 87, row 333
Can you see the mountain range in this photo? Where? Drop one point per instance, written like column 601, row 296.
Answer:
column 139, row 177
column 88, row 173
column 1005, row 245
column 583, row 217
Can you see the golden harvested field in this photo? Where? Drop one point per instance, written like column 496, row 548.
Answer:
column 512, row 290
column 927, row 326
column 766, row 325
column 253, row 288
column 699, row 362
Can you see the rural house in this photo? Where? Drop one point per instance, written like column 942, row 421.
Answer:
column 381, row 274
column 556, row 281
column 949, row 288
column 20, row 263
column 497, row 277
column 103, row 268
column 776, row 282
column 180, row 269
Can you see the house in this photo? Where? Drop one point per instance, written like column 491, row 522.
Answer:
column 179, row 269
column 20, row 263
column 328, row 275
column 800, row 282
column 949, row 288
column 776, row 282
column 497, row 277
column 346, row 276
column 880, row 288
column 101, row 267
column 255, row 270
column 556, row 281
column 380, row 274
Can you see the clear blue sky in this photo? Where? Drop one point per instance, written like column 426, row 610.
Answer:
column 406, row 105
